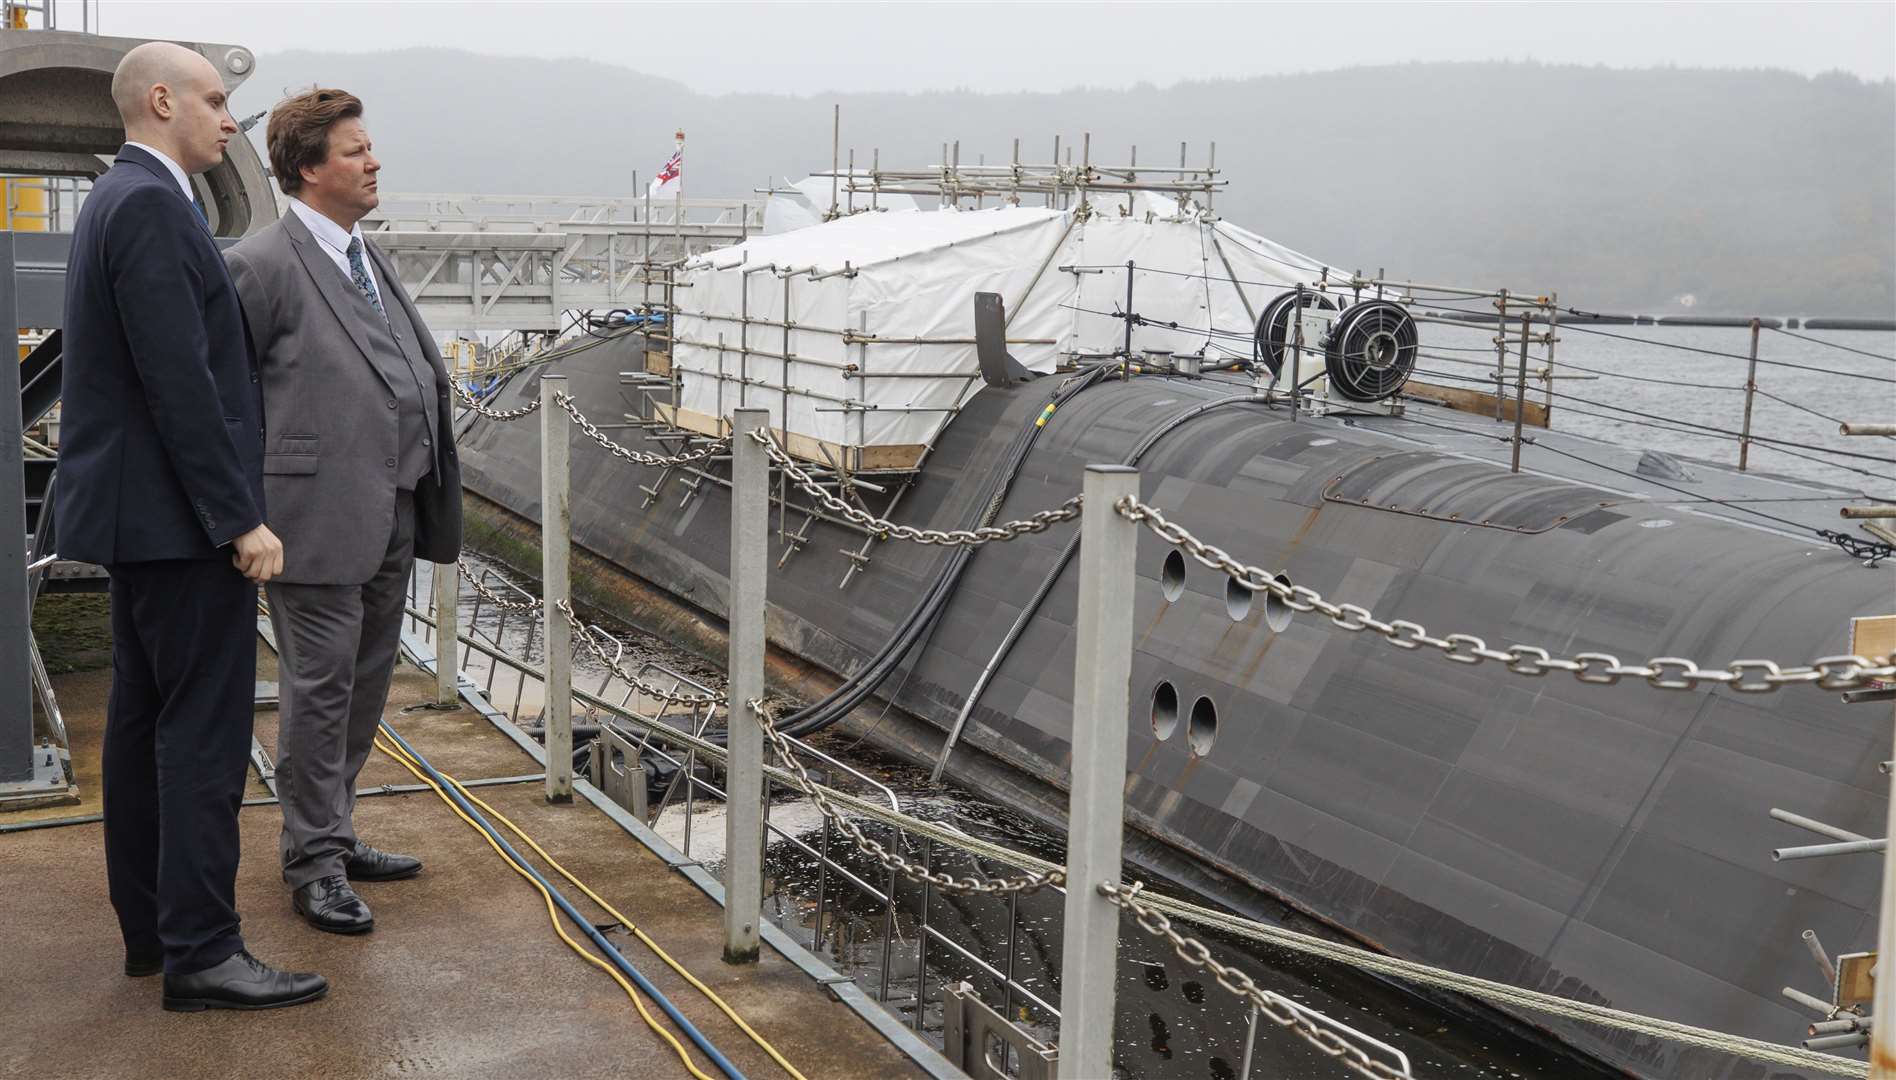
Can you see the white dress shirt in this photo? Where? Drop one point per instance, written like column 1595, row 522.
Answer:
column 335, row 243
column 177, row 171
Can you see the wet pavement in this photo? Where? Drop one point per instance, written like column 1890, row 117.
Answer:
column 462, row 976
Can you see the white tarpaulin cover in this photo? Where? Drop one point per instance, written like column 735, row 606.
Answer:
column 803, row 203
column 902, row 285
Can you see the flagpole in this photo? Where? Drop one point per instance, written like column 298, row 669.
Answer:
column 678, row 207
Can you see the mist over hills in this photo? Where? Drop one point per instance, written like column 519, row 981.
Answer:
column 1753, row 192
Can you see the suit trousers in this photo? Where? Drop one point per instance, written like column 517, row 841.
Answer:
column 336, row 648
column 177, row 747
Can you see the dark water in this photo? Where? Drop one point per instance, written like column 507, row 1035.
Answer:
column 1174, row 1020
column 1686, row 392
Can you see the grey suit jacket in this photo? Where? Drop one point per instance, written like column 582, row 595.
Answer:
column 327, row 432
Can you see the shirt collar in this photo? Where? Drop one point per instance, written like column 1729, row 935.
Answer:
column 330, row 233
column 177, row 171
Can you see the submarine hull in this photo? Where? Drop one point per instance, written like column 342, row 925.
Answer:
column 1606, row 843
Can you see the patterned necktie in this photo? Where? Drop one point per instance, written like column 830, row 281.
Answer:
column 359, row 274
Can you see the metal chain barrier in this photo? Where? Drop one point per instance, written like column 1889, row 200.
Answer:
column 1270, row 1005
column 1604, row 669
column 489, row 595
column 589, row 636
column 888, row 859
column 585, row 633
column 1052, row 873
column 1348, row 955
column 474, row 403
column 1500, row 993
column 639, row 457
column 884, row 529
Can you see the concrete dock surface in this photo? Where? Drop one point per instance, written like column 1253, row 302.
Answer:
column 462, row 976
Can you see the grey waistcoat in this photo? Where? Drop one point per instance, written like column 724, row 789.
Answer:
column 394, row 350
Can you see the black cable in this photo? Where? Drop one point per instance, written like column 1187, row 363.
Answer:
column 1727, row 355
column 1683, row 425
column 1763, row 440
column 1452, row 375
column 1831, row 344
column 1773, row 447
column 1052, row 577
column 857, row 688
column 1806, row 408
column 1872, row 552
column 1407, row 419
column 1650, row 379
column 1649, row 480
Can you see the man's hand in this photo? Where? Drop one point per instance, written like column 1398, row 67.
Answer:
column 259, row 554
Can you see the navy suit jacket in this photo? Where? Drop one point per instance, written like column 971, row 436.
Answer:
column 161, row 426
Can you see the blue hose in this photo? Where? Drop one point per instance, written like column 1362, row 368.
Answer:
column 612, row 954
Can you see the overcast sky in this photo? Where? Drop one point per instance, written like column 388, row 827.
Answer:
column 813, row 47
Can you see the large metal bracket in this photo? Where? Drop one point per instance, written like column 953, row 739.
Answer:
column 618, row 772
column 983, row 1043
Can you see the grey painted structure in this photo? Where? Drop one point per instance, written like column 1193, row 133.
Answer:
column 16, row 690
column 57, row 119
column 1606, row 843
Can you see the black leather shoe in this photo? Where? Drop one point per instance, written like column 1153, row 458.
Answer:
column 241, row 982
column 330, row 904
column 368, row 864
column 141, row 962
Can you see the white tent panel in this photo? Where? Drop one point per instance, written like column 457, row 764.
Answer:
column 880, row 352
column 907, row 299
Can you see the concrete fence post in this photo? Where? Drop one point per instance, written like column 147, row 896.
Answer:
column 556, row 535
column 744, row 779
column 447, row 597
column 1102, row 676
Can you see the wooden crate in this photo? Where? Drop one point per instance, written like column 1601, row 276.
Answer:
column 890, row 457
column 1462, row 399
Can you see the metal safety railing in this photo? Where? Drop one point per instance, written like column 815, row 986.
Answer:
column 492, row 652
column 1111, row 519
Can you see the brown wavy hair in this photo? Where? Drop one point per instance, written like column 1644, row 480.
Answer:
column 298, row 135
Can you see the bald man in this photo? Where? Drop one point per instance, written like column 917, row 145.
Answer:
column 161, row 482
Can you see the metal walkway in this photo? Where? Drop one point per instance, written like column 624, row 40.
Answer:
column 484, row 263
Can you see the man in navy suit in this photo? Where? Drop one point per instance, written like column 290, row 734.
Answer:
column 161, row 482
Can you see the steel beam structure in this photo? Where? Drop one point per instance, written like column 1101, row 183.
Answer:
column 744, row 786
column 16, row 694
column 478, row 264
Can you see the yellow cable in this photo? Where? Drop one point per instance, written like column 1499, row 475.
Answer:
column 552, row 913
column 643, row 937
column 630, row 925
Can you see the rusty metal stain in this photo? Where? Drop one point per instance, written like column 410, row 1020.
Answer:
column 1257, row 661
column 1144, row 759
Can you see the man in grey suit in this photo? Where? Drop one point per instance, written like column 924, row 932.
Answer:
column 360, row 476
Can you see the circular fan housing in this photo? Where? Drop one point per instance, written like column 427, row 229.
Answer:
column 1371, row 350
column 1274, row 332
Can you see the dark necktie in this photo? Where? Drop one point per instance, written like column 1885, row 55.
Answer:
column 359, row 273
